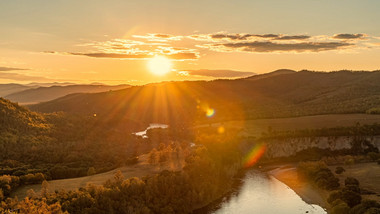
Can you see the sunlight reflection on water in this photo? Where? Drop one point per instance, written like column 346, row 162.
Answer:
column 264, row 194
column 151, row 126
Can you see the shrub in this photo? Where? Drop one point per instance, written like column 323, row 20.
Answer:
column 349, row 197
column 340, row 208
column 366, row 207
column 349, row 160
column 373, row 156
column 373, row 111
column 91, row 171
column 333, row 197
column 351, row 181
column 353, row 188
column 320, row 174
column 339, row 170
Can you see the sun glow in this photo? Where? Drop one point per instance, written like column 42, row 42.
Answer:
column 159, row 65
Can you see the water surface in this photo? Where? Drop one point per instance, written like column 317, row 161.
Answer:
column 151, row 126
column 263, row 194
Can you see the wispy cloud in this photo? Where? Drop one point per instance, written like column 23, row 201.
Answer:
column 175, row 56
column 245, row 36
column 22, row 77
column 149, row 45
column 265, row 47
column 12, row 69
column 217, row 73
column 161, row 37
column 349, row 36
column 132, row 49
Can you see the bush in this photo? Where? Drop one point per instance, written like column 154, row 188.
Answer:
column 351, row 181
column 373, row 111
column 91, row 171
column 320, row 174
column 132, row 161
column 349, row 160
column 333, row 197
column 353, row 188
column 349, row 197
column 340, row 208
column 373, row 156
column 339, row 170
column 366, row 207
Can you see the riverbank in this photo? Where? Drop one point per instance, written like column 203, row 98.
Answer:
column 368, row 175
column 288, row 175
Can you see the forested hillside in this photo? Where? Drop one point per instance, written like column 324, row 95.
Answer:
column 282, row 93
column 38, row 146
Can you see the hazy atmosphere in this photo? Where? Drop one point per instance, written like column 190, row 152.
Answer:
column 111, row 41
column 190, row 107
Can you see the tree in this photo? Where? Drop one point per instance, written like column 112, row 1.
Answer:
column 91, row 171
column 351, row 181
column 44, row 189
column 339, row 170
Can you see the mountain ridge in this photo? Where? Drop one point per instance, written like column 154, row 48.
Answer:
column 282, row 95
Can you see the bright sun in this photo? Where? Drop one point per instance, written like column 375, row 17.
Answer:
column 159, row 65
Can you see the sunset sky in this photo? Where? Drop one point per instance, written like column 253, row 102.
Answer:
column 112, row 41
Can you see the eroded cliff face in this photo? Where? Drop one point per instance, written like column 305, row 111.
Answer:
column 289, row 147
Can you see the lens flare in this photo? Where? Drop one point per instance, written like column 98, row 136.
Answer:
column 254, row 155
column 221, row 129
column 210, row 112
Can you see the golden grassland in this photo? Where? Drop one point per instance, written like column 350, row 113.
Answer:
column 142, row 168
column 368, row 174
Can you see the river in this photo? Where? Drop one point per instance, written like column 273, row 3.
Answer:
column 262, row 194
column 151, row 126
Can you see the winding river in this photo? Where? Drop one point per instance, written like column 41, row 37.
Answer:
column 263, row 194
column 151, row 126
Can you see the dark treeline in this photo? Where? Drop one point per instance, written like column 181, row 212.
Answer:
column 357, row 130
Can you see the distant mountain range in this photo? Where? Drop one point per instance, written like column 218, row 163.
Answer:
column 41, row 92
column 6, row 89
column 282, row 93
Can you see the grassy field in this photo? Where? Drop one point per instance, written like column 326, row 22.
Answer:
column 256, row 127
column 142, row 168
column 368, row 175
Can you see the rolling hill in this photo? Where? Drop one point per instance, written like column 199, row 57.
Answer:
column 43, row 94
column 282, row 93
column 6, row 89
